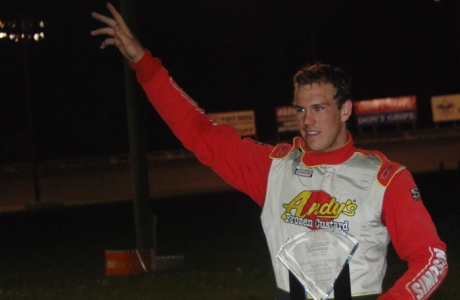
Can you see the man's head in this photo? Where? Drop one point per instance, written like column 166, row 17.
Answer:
column 322, row 101
column 322, row 73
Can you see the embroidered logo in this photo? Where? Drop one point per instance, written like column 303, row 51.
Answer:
column 430, row 277
column 281, row 151
column 304, row 172
column 385, row 172
column 415, row 194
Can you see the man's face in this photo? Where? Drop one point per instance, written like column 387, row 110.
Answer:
column 321, row 121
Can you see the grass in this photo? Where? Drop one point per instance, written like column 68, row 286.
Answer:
column 59, row 254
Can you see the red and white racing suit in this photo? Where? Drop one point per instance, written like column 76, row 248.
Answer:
column 356, row 190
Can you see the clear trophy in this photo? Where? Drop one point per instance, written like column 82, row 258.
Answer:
column 317, row 258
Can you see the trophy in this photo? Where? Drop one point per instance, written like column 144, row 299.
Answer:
column 318, row 259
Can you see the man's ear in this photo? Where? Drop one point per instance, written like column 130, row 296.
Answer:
column 346, row 110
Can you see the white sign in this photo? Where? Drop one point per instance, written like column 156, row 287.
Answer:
column 243, row 121
column 445, row 108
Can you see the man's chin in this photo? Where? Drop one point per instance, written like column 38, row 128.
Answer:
column 310, row 142
column 314, row 147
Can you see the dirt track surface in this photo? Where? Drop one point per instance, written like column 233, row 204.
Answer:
column 93, row 180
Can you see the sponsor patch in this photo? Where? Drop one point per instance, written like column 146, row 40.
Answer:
column 386, row 172
column 415, row 194
column 318, row 210
column 304, row 173
column 282, row 150
column 430, row 277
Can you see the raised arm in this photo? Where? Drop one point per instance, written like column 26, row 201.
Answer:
column 244, row 164
column 119, row 35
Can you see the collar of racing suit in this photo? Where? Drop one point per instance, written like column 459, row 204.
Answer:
column 334, row 157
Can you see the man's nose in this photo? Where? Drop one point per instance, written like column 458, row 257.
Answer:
column 308, row 119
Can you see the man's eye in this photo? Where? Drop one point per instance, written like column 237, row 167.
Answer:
column 300, row 110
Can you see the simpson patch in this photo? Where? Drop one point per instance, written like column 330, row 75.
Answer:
column 415, row 194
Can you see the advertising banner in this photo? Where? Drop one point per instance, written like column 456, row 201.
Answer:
column 243, row 121
column 286, row 119
column 445, row 108
column 386, row 111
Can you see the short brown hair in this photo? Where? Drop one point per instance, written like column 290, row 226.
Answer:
column 323, row 73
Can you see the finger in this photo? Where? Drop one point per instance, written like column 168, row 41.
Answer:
column 109, row 21
column 108, row 42
column 119, row 20
column 103, row 31
column 120, row 34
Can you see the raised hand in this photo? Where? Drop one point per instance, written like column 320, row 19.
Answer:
column 119, row 35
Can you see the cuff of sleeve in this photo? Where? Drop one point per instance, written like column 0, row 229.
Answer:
column 146, row 67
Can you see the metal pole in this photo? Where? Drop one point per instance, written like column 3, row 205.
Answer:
column 30, row 113
column 141, row 202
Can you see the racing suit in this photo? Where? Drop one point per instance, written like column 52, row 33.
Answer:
column 356, row 190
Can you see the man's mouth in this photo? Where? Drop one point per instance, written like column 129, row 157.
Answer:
column 312, row 132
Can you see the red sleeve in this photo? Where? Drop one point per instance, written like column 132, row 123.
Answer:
column 415, row 239
column 243, row 163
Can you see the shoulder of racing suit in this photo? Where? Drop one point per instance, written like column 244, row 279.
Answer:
column 388, row 169
column 282, row 150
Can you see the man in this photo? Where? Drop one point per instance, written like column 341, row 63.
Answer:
column 320, row 181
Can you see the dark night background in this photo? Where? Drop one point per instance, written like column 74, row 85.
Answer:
column 226, row 54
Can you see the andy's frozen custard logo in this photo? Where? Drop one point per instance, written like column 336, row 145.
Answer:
column 317, row 209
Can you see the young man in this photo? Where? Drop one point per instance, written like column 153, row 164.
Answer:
column 320, row 181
